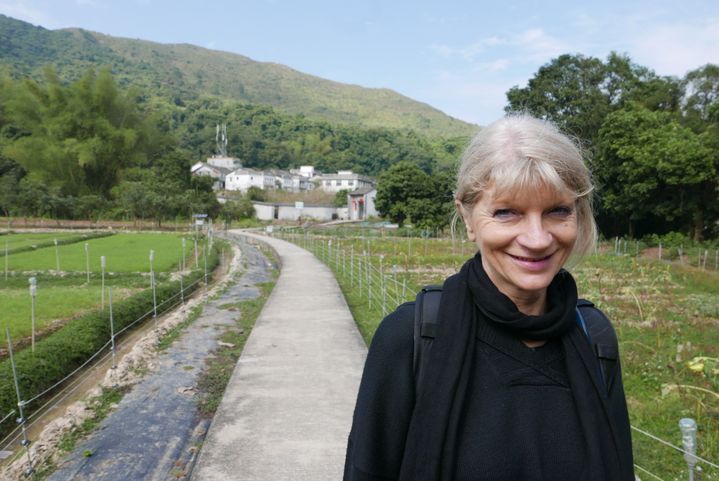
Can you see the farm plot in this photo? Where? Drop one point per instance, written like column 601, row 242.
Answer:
column 123, row 252
column 666, row 316
column 14, row 241
column 66, row 293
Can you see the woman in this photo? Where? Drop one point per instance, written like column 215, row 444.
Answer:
column 511, row 389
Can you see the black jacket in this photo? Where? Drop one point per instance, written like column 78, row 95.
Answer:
column 386, row 400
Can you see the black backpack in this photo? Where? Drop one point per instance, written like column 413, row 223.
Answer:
column 594, row 324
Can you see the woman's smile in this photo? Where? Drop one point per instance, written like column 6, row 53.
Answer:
column 524, row 239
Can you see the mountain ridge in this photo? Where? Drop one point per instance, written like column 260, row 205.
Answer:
column 183, row 71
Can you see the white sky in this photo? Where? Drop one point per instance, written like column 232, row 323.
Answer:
column 458, row 56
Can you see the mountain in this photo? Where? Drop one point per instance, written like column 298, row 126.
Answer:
column 182, row 72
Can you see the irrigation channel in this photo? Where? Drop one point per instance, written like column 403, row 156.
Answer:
column 155, row 431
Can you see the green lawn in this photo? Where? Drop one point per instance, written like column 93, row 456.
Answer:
column 124, row 252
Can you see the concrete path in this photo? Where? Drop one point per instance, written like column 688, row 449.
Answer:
column 288, row 407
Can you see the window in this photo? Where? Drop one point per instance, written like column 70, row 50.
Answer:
column 338, row 182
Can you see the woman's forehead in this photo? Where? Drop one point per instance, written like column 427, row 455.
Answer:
column 530, row 194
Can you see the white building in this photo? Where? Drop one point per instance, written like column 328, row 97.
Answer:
column 361, row 203
column 217, row 173
column 229, row 163
column 297, row 211
column 342, row 180
column 243, row 179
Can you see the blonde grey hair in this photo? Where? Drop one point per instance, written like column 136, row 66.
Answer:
column 521, row 152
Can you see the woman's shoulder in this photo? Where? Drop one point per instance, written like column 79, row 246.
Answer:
column 395, row 334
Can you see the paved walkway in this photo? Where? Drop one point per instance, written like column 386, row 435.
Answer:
column 288, row 407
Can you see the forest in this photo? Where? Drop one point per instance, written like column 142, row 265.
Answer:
column 91, row 149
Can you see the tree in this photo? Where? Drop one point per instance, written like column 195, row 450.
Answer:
column 341, row 198
column 650, row 167
column 567, row 90
column 701, row 87
column 237, row 209
column 578, row 92
column 406, row 192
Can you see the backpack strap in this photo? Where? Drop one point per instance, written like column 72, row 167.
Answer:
column 594, row 324
column 602, row 338
column 426, row 308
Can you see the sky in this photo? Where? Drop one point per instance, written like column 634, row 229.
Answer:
column 458, row 56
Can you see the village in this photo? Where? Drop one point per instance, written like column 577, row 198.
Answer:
column 230, row 176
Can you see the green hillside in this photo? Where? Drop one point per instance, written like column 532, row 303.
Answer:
column 183, row 72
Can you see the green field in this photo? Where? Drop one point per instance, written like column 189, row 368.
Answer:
column 666, row 316
column 14, row 241
column 66, row 294
column 123, row 253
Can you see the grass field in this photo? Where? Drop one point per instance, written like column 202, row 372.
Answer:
column 62, row 295
column 666, row 316
column 13, row 241
column 124, row 253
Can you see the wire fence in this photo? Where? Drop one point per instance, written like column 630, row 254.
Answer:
column 62, row 389
column 364, row 274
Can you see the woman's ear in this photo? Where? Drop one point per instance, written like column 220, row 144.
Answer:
column 467, row 224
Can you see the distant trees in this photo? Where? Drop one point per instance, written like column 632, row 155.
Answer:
column 405, row 192
column 652, row 142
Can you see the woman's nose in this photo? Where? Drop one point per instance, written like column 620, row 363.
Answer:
column 535, row 234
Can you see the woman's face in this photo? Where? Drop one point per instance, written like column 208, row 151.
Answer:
column 524, row 238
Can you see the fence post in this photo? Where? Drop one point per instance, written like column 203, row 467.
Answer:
column 183, row 255
column 20, row 404
column 383, row 285
column 33, row 293
column 368, row 268
column 57, row 256
column 182, row 288
column 5, row 259
column 152, row 284
column 112, row 328
column 688, row 428
column 660, row 251
column 87, row 261
column 102, row 285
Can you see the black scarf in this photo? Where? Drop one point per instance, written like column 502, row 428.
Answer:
column 468, row 298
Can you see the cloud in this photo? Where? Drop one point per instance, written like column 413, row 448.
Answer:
column 534, row 44
column 24, row 11
column 677, row 49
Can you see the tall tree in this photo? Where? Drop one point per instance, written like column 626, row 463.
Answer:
column 650, row 167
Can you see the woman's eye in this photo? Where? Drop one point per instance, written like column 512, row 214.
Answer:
column 561, row 211
column 503, row 213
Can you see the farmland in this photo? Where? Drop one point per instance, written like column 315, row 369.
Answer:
column 65, row 293
column 666, row 315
